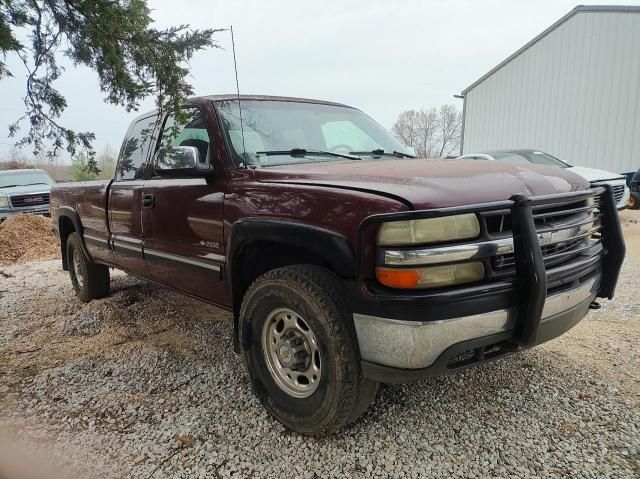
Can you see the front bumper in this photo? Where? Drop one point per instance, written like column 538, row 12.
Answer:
column 34, row 210
column 398, row 351
column 403, row 337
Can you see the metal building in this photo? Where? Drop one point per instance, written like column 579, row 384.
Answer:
column 573, row 91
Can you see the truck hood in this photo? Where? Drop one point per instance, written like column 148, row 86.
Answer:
column 592, row 174
column 25, row 190
column 429, row 183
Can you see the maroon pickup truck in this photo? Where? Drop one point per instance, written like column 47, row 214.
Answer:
column 346, row 261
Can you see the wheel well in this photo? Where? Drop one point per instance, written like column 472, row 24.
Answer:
column 262, row 256
column 256, row 259
column 65, row 227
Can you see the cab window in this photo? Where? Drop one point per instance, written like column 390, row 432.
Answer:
column 188, row 128
column 135, row 149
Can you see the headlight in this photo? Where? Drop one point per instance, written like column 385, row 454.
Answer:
column 430, row 230
column 4, row 201
column 432, row 276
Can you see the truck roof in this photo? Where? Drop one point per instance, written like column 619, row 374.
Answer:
column 234, row 96
column 268, row 98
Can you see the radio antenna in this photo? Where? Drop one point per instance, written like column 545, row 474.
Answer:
column 235, row 65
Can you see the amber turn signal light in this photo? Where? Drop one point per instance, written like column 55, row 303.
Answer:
column 398, row 278
column 431, row 276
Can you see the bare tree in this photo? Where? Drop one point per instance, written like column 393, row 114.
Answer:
column 17, row 155
column 15, row 158
column 449, row 127
column 405, row 128
column 428, row 128
column 432, row 133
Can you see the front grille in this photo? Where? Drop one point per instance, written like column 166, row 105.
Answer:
column 506, row 261
column 618, row 194
column 20, row 201
column 564, row 232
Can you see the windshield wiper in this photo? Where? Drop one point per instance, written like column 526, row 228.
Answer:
column 302, row 152
column 380, row 152
column 28, row 184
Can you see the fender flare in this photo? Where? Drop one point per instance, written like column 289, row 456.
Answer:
column 327, row 244
column 68, row 212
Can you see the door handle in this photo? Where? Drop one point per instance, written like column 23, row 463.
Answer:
column 148, row 201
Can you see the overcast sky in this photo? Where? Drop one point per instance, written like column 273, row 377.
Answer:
column 380, row 56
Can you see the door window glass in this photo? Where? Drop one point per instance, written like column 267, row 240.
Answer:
column 188, row 129
column 134, row 151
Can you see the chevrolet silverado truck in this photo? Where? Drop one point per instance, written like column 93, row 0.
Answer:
column 346, row 262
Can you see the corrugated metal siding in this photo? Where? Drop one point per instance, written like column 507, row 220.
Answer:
column 574, row 94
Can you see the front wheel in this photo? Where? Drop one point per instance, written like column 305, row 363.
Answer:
column 89, row 280
column 301, row 352
column 634, row 201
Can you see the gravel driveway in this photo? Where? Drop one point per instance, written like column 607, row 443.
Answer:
column 144, row 384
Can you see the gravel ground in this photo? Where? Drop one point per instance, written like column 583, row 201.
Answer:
column 144, row 384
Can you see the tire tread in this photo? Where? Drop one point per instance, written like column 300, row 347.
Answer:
column 97, row 280
column 324, row 288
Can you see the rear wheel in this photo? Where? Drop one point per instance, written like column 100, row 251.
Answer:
column 301, row 352
column 89, row 280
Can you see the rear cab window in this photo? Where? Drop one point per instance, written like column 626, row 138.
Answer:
column 132, row 161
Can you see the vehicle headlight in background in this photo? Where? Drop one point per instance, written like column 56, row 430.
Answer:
column 430, row 230
column 431, row 276
column 4, row 201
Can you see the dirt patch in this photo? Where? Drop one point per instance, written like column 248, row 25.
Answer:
column 27, row 238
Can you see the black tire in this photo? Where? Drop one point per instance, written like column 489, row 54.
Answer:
column 634, row 201
column 89, row 280
column 342, row 393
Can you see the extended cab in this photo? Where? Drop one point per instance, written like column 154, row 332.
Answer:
column 345, row 261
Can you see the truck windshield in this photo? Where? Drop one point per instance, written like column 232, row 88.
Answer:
column 273, row 129
column 537, row 157
column 24, row 178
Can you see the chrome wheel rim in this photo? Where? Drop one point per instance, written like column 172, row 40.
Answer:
column 76, row 265
column 291, row 353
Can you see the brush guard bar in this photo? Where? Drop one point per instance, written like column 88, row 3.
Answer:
column 530, row 271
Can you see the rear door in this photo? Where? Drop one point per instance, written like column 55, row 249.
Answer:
column 126, row 196
column 183, row 229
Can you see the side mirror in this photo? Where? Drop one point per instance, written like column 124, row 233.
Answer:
column 180, row 161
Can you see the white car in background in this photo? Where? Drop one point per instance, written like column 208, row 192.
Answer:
column 592, row 175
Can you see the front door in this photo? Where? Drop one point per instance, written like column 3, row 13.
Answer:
column 126, row 196
column 183, row 228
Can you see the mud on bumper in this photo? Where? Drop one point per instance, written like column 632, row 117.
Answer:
column 405, row 337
